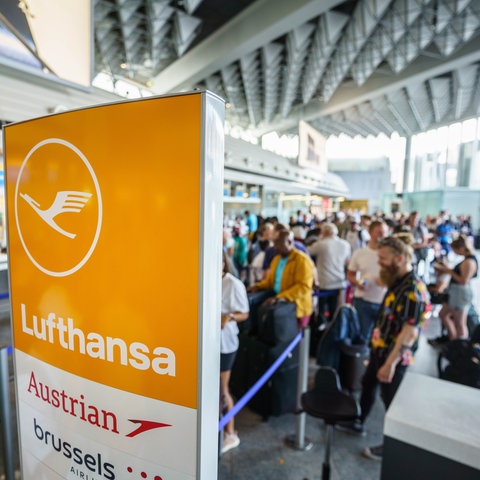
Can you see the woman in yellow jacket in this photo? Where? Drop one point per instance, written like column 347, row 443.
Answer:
column 290, row 277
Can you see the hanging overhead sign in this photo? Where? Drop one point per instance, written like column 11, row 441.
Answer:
column 115, row 285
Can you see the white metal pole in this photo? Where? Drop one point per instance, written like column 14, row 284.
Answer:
column 298, row 440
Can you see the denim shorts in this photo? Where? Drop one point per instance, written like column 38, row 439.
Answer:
column 459, row 296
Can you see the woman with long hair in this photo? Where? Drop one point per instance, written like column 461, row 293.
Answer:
column 460, row 295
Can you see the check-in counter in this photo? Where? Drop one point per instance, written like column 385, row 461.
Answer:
column 432, row 430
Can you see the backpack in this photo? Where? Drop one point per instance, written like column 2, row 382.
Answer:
column 472, row 323
column 459, row 361
column 344, row 325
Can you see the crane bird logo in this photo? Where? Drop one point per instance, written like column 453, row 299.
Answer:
column 74, row 214
column 68, row 201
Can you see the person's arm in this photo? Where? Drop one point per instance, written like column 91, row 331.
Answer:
column 316, row 283
column 303, row 281
column 348, row 254
column 312, row 249
column 234, row 317
column 352, row 279
column 467, row 271
column 238, row 305
column 407, row 336
column 424, row 239
column 268, row 281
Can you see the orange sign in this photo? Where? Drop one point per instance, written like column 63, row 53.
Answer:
column 104, row 249
column 114, row 222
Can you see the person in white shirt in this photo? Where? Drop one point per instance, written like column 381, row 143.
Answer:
column 235, row 309
column 331, row 255
column 356, row 236
column 363, row 274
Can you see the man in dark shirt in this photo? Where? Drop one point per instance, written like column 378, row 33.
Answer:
column 395, row 336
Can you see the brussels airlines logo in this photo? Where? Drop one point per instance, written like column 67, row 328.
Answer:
column 58, row 207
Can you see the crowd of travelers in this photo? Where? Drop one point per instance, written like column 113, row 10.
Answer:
column 387, row 267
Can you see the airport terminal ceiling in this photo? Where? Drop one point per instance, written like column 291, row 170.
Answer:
column 357, row 67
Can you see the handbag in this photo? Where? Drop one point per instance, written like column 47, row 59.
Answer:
column 438, row 297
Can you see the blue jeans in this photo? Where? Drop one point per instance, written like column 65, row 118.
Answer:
column 367, row 315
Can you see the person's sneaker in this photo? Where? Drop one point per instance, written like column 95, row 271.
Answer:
column 356, row 427
column 374, row 453
column 230, row 441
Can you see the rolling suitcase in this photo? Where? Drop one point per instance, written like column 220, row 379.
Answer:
column 252, row 357
column 353, row 362
column 284, row 391
column 239, row 377
column 278, row 395
column 255, row 300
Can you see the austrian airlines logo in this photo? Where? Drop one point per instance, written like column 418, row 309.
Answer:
column 58, row 207
column 65, row 202
column 145, row 426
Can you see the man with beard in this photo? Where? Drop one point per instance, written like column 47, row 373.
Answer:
column 395, row 336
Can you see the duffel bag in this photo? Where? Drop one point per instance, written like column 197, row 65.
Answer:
column 277, row 323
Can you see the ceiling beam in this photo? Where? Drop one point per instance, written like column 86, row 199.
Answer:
column 346, row 96
column 260, row 23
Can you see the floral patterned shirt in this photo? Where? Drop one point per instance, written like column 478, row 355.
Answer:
column 407, row 301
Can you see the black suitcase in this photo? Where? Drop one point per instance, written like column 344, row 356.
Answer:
column 252, row 357
column 255, row 300
column 459, row 362
column 277, row 323
column 278, row 395
column 240, row 376
column 353, row 362
column 284, row 391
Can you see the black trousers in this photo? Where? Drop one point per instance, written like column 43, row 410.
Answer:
column 327, row 303
column 370, row 385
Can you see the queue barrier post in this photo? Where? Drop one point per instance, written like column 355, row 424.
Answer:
column 6, row 415
column 298, row 440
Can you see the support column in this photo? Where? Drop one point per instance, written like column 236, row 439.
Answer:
column 407, row 164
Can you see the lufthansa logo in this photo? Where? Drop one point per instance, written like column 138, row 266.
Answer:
column 58, row 207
